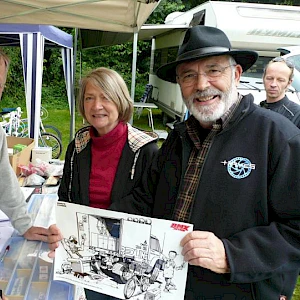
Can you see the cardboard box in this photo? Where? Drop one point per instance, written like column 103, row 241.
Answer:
column 23, row 157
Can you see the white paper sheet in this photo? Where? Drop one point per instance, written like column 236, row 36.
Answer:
column 122, row 255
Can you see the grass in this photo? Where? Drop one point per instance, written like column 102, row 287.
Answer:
column 296, row 294
column 61, row 119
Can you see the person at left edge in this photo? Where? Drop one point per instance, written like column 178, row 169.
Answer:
column 106, row 163
column 12, row 201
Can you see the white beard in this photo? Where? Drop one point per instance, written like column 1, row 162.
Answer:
column 213, row 112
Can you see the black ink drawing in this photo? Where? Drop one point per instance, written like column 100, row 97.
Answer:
column 126, row 256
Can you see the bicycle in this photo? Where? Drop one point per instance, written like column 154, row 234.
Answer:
column 15, row 126
column 12, row 124
column 48, row 128
column 46, row 139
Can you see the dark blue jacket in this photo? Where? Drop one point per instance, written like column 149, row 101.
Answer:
column 248, row 196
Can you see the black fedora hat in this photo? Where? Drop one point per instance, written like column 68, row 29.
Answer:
column 204, row 41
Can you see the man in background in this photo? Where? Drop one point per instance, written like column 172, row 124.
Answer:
column 12, row 201
column 277, row 78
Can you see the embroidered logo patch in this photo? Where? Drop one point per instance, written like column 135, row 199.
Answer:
column 239, row 167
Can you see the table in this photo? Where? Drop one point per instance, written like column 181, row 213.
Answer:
column 149, row 107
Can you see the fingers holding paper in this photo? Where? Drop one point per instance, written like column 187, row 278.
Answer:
column 54, row 237
column 204, row 249
column 36, row 234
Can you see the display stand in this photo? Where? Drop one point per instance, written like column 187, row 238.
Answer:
column 26, row 270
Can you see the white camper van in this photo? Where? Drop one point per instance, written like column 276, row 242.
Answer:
column 260, row 27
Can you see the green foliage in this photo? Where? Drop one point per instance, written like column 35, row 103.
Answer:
column 14, row 92
column 164, row 8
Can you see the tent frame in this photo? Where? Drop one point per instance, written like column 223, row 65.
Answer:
column 33, row 39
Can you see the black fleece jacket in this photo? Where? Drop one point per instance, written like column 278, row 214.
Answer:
column 248, row 196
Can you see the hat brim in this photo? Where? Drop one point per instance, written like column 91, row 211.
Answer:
column 244, row 58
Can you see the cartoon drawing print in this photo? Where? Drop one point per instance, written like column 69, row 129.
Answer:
column 120, row 255
column 169, row 270
column 102, row 249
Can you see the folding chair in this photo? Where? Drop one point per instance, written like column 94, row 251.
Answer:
column 145, row 98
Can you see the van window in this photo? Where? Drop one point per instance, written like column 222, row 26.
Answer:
column 164, row 56
column 257, row 70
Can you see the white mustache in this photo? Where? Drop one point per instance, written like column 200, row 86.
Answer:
column 207, row 93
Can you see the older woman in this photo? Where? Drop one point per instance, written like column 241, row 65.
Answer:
column 106, row 163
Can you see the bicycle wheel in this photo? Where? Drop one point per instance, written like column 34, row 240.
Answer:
column 50, row 140
column 44, row 113
column 21, row 130
column 52, row 129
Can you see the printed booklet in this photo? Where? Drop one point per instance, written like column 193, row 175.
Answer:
column 122, row 255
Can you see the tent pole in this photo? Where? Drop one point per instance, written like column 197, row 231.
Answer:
column 133, row 73
column 72, row 118
column 134, row 59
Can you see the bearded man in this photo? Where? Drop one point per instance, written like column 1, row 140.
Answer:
column 232, row 169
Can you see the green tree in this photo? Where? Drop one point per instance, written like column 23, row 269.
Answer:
column 164, row 8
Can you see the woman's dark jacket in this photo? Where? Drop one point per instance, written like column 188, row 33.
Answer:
column 248, row 196
column 130, row 177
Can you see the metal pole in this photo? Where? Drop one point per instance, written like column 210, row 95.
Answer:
column 133, row 73
column 72, row 118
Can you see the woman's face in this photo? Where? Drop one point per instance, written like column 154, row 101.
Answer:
column 100, row 112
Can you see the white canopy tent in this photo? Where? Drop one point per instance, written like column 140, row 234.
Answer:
column 32, row 39
column 106, row 15
column 125, row 16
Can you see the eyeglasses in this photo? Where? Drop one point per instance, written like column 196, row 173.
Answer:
column 212, row 74
column 281, row 59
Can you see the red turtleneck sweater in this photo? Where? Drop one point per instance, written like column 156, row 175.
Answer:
column 106, row 153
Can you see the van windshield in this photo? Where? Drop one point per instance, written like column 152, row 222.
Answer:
column 257, row 70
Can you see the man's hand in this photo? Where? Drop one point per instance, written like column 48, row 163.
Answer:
column 204, row 249
column 52, row 236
